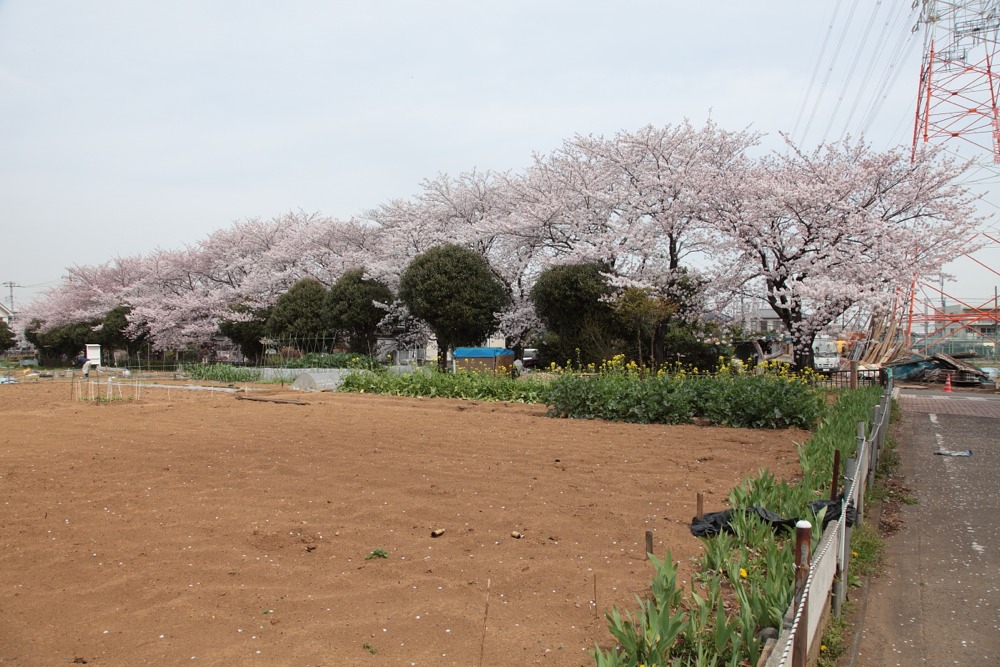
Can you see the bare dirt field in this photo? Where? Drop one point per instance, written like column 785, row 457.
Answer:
column 193, row 528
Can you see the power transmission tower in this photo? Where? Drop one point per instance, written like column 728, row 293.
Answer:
column 957, row 104
column 957, row 97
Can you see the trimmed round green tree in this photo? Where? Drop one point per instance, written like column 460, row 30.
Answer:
column 453, row 289
column 298, row 316
column 572, row 302
column 350, row 307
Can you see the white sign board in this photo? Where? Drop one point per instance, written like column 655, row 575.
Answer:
column 94, row 354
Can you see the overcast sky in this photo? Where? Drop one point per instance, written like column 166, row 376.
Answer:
column 129, row 125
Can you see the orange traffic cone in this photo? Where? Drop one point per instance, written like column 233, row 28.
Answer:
column 947, row 383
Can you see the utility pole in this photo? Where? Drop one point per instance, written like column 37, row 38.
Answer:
column 10, row 284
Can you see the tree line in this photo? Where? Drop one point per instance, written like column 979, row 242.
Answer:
column 667, row 222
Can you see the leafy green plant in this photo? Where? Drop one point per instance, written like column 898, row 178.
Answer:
column 222, row 373
column 463, row 384
column 648, row 637
column 625, row 392
column 332, row 360
column 377, row 553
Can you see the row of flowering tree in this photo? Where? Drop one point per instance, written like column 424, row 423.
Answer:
column 661, row 208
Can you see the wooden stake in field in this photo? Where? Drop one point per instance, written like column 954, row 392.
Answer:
column 595, row 596
column 486, row 615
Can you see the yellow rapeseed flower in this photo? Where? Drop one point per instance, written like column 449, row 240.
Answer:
column 743, row 573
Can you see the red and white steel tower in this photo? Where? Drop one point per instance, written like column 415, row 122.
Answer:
column 957, row 104
column 957, row 98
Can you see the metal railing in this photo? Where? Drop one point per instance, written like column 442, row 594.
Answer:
column 842, row 378
column 824, row 587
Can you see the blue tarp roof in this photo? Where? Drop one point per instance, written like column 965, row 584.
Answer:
column 481, row 352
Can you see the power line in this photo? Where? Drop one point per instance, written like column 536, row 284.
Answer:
column 815, row 73
column 829, row 71
column 850, row 72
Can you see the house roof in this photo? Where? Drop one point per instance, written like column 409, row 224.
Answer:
column 5, row 311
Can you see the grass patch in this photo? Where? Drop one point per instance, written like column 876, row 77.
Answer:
column 836, row 638
column 867, row 550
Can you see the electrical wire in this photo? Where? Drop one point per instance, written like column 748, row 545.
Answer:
column 899, row 53
column 829, row 71
column 851, row 70
column 815, row 72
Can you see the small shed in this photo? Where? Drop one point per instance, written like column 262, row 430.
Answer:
column 492, row 359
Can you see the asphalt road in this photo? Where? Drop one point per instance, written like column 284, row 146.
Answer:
column 939, row 602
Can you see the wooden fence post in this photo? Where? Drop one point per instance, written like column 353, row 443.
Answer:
column 803, row 546
column 873, row 454
column 850, row 473
column 836, row 474
column 838, row 578
column 850, row 470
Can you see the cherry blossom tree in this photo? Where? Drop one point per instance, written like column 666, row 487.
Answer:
column 843, row 225
column 636, row 201
column 86, row 293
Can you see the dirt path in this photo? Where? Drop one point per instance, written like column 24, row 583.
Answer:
column 197, row 529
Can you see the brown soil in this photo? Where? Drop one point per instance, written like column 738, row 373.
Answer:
column 192, row 528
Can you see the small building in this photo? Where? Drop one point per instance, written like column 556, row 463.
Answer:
column 6, row 315
column 491, row 359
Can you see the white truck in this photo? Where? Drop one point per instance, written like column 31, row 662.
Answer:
column 826, row 355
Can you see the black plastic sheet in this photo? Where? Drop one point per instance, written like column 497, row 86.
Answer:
column 714, row 523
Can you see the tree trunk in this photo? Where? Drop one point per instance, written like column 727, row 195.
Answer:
column 659, row 333
column 802, row 353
